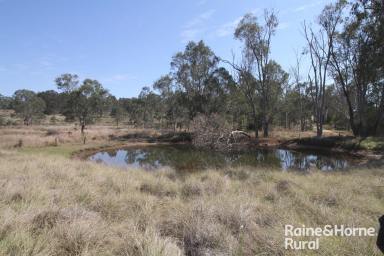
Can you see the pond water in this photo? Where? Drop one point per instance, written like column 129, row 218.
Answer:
column 186, row 157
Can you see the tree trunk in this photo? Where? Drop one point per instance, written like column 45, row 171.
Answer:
column 82, row 123
column 319, row 123
column 319, row 128
column 302, row 124
column 255, row 122
column 286, row 120
column 256, row 127
column 82, row 128
column 266, row 129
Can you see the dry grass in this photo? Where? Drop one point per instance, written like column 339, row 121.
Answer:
column 41, row 136
column 51, row 205
column 281, row 133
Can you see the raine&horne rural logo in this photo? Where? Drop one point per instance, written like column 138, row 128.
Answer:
column 308, row 238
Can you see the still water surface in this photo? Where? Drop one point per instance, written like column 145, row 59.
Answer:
column 185, row 157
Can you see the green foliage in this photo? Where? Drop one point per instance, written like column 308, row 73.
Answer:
column 196, row 74
column 86, row 102
column 260, row 79
column 28, row 105
column 357, row 63
column 5, row 102
column 67, row 82
column 53, row 101
column 372, row 143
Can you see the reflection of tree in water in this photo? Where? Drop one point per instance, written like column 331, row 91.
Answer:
column 178, row 157
column 254, row 158
column 134, row 155
column 302, row 161
column 112, row 153
column 184, row 157
column 329, row 164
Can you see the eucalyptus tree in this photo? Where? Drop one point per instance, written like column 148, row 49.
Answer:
column 297, row 96
column 247, row 85
column 5, row 102
column 118, row 112
column 52, row 101
column 277, row 82
column 67, row 82
column 149, row 109
column 85, row 102
column 28, row 105
column 256, row 73
column 169, row 99
column 357, row 64
column 132, row 106
column 320, row 47
column 192, row 71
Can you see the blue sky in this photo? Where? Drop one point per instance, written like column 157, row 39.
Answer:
column 127, row 44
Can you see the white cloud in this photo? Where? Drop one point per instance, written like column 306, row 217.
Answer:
column 306, row 6
column 196, row 26
column 228, row 28
column 190, row 34
column 199, row 20
column 120, row 78
column 202, row 2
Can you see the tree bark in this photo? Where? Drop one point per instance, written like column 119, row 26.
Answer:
column 256, row 126
column 266, row 128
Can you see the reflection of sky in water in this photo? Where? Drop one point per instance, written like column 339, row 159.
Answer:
column 186, row 157
column 124, row 158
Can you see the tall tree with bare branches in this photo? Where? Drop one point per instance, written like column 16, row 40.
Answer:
column 320, row 48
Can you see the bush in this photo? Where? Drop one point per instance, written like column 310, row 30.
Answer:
column 53, row 120
column 7, row 122
column 51, row 132
column 211, row 132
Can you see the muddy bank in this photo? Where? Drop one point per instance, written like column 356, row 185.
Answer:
column 349, row 145
column 169, row 137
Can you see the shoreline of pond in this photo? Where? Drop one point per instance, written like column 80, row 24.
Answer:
column 327, row 145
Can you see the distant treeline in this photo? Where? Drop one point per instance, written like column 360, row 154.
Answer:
column 341, row 85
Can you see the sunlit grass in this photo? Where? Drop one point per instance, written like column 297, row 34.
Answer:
column 64, row 150
column 372, row 143
column 51, row 205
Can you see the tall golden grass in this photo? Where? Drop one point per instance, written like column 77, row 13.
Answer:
column 48, row 135
column 50, row 205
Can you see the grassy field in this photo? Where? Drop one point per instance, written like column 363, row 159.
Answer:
column 53, row 205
